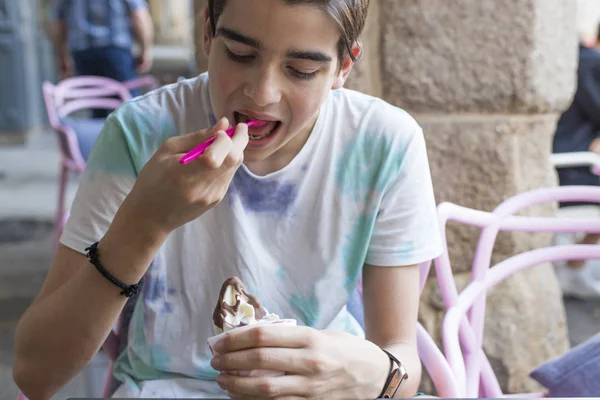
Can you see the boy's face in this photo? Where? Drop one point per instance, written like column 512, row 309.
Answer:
column 276, row 63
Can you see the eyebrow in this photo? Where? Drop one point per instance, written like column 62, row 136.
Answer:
column 309, row 55
column 303, row 55
column 238, row 37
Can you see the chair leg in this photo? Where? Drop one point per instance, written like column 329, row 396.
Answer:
column 60, row 207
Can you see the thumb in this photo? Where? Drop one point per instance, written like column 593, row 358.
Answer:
column 185, row 143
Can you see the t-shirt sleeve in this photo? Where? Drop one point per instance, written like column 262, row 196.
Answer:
column 406, row 227
column 108, row 178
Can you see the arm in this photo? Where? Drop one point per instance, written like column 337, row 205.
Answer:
column 330, row 363
column 58, row 35
column 68, row 322
column 143, row 31
column 73, row 314
column 61, row 51
column 59, row 38
column 391, row 301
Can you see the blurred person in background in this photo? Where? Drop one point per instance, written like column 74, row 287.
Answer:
column 578, row 130
column 96, row 38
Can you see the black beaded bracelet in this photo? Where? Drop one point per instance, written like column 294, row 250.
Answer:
column 128, row 290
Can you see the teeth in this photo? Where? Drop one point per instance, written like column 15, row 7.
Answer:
column 252, row 137
column 244, row 118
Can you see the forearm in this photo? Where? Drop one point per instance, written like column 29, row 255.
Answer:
column 58, row 336
column 59, row 39
column 409, row 356
column 61, row 333
column 143, row 28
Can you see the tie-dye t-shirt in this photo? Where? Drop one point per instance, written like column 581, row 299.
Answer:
column 358, row 192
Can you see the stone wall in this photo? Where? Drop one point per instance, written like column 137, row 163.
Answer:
column 487, row 83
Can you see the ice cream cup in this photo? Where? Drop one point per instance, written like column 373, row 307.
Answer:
column 255, row 372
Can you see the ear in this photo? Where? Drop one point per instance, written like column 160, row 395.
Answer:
column 346, row 67
column 207, row 33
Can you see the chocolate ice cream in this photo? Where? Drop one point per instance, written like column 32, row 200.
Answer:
column 236, row 307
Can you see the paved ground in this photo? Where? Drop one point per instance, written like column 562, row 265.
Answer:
column 27, row 201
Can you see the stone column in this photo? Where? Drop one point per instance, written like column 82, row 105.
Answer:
column 487, row 83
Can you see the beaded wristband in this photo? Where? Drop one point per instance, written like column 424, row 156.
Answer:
column 128, row 290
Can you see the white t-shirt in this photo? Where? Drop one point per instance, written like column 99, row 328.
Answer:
column 358, row 192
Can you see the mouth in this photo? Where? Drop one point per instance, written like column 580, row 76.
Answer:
column 257, row 133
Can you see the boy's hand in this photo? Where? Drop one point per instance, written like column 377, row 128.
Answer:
column 168, row 194
column 317, row 364
column 143, row 62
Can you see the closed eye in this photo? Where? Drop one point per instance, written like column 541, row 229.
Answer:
column 302, row 75
column 246, row 59
column 239, row 58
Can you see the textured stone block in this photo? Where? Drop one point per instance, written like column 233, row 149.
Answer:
column 479, row 161
column 479, row 55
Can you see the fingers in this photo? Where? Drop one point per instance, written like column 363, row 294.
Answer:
column 240, row 138
column 285, row 336
column 217, row 152
column 236, row 396
column 265, row 387
column 296, row 361
column 222, row 151
column 226, row 151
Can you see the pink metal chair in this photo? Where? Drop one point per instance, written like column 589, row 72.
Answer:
column 464, row 321
column 577, row 159
column 77, row 135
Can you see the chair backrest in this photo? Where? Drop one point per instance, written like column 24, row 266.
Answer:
column 148, row 82
column 75, row 94
column 464, row 322
column 577, row 159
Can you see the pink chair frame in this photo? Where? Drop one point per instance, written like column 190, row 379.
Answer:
column 577, row 159
column 81, row 93
column 464, row 321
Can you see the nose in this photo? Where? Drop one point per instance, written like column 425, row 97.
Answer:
column 264, row 89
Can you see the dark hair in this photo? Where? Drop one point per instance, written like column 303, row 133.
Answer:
column 349, row 15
